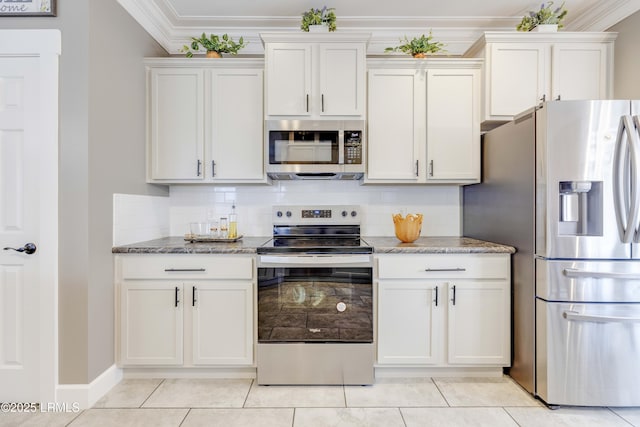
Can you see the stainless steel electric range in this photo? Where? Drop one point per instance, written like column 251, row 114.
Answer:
column 315, row 299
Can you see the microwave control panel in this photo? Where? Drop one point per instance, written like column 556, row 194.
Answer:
column 353, row 147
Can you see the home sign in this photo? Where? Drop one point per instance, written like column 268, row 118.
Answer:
column 27, row 7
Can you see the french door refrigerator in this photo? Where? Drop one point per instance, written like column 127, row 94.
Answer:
column 561, row 183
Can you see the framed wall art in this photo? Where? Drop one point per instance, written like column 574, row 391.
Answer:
column 27, row 7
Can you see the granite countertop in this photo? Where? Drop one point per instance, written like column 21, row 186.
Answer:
column 437, row 245
column 248, row 245
column 177, row 245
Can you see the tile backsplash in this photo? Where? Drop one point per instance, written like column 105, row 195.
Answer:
column 439, row 204
column 137, row 218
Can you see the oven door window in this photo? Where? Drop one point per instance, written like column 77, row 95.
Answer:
column 315, row 305
column 303, row 147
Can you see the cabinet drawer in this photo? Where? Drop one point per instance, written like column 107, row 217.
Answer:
column 186, row 266
column 447, row 266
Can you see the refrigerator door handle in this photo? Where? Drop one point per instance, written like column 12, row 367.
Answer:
column 635, row 180
column 575, row 316
column 574, row 273
column 625, row 138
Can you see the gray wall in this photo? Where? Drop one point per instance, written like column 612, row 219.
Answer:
column 101, row 142
column 627, row 58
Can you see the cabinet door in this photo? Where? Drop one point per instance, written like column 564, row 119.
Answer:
column 479, row 323
column 236, row 127
column 342, row 79
column 518, row 76
column 288, row 79
column 396, row 125
column 410, row 322
column 176, row 103
column 453, row 125
column 222, row 319
column 151, row 323
column 580, row 71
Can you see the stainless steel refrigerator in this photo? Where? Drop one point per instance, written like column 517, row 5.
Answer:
column 561, row 183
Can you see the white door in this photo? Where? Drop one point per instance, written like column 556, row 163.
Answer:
column 288, row 68
column 580, row 71
column 28, row 214
column 342, row 79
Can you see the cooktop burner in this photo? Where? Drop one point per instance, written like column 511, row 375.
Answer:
column 316, row 229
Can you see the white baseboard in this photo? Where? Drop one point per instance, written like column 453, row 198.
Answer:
column 85, row 396
column 190, row 372
column 435, row 372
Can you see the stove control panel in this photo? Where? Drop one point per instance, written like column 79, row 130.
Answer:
column 323, row 214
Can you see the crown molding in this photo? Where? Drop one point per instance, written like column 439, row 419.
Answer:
column 604, row 15
column 457, row 33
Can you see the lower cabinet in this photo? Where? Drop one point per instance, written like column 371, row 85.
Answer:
column 438, row 310
column 185, row 310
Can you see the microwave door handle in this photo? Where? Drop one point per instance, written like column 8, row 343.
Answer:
column 620, row 198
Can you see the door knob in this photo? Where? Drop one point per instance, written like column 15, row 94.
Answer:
column 28, row 248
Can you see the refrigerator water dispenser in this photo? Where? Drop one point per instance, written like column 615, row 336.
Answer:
column 580, row 208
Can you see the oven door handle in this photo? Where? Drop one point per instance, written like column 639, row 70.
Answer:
column 315, row 259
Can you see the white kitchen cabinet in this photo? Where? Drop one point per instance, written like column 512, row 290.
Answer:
column 479, row 323
column 151, row 323
column 522, row 69
column 315, row 75
column 396, row 125
column 444, row 309
column 222, row 322
column 423, row 121
column 176, row 123
column 410, row 322
column 453, row 125
column 205, row 121
column 185, row 310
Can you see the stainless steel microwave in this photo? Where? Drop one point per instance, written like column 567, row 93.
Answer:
column 308, row 149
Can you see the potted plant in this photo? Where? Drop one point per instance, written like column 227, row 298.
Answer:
column 325, row 17
column 214, row 45
column 545, row 16
column 418, row 47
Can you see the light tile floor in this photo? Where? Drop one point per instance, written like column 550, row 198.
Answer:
column 408, row 402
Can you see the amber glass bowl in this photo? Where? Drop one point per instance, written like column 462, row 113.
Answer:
column 408, row 228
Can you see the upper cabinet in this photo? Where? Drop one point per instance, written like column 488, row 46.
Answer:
column 423, row 121
column 523, row 69
column 315, row 76
column 205, row 121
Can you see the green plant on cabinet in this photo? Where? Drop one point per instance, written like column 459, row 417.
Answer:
column 325, row 16
column 418, row 47
column 213, row 43
column 545, row 16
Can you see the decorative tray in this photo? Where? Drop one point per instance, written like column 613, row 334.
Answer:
column 208, row 239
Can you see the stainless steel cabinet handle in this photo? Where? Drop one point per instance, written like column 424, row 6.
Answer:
column 321, row 102
column 213, row 168
column 544, row 98
column 184, row 269
column 558, row 98
column 193, row 296
column 436, row 300
column 198, row 167
column 176, row 297
column 453, row 298
column 417, row 167
column 445, row 269
column 582, row 274
column 575, row 316
column 307, row 103
column 431, row 168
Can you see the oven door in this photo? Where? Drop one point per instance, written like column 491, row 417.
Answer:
column 315, row 299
